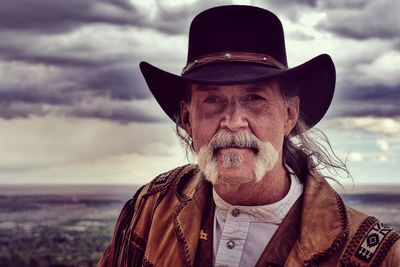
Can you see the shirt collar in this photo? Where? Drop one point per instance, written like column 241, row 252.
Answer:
column 271, row 213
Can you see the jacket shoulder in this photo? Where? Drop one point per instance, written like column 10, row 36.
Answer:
column 158, row 188
column 109, row 256
column 162, row 183
column 372, row 243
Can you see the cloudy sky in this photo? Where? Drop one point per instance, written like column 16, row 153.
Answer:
column 74, row 107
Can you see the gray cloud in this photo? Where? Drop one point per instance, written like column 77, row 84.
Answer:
column 74, row 61
column 291, row 10
column 377, row 19
column 176, row 19
column 33, row 96
column 48, row 16
column 55, row 60
column 378, row 101
column 20, row 110
column 55, row 50
column 120, row 82
column 75, row 92
column 344, row 4
column 98, row 108
column 85, row 72
column 117, row 115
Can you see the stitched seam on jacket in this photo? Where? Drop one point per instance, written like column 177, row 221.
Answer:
column 162, row 187
column 163, row 181
column 120, row 239
column 340, row 238
column 165, row 188
column 161, row 184
column 184, row 200
column 147, row 263
column 137, row 241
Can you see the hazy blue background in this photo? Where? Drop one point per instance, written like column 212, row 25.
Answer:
column 74, row 107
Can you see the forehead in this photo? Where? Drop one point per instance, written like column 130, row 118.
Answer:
column 270, row 87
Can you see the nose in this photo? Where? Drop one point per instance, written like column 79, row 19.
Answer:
column 234, row 118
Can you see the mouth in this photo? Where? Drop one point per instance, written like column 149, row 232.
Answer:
column 235, row 148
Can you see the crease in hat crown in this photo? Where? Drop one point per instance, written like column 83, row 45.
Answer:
column 236, row 28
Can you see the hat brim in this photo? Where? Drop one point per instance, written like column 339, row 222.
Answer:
column 315, row 80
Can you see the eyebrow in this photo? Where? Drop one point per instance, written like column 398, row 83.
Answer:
column 255, row 88
column 206, row 88
column 209, row 88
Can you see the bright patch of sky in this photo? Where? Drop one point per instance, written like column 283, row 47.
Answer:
column 371, row 158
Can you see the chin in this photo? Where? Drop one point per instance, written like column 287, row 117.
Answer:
column 235, row 176
column 233, row 180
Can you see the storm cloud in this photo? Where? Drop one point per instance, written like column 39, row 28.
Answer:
column 364, row 19
column 46, row 16
column 56, row 57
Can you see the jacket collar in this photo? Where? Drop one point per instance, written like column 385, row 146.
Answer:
column 192, row 192
column 324, row 222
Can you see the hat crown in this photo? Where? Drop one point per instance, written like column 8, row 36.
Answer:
column 237, row 28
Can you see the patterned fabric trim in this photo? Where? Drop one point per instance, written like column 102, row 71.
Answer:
column 380, row 256
column 370, row 244
column 358, row 236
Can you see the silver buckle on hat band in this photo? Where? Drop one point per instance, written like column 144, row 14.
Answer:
column 234, row 57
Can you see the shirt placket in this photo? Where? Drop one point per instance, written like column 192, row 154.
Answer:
column 233, row 238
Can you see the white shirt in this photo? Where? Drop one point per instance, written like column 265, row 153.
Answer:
column 241, row 233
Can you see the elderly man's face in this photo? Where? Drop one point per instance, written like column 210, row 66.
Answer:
column 250, row 112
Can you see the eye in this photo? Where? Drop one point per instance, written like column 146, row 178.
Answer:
column 253, row 97
column 213, row 100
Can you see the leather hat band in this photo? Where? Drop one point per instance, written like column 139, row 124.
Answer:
column 234, row 57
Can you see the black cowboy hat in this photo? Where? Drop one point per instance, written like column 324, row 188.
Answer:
column 238, row 45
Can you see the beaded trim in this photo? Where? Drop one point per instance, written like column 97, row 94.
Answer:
column 370, row 244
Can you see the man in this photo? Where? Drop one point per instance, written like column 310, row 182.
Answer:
column 256, row 197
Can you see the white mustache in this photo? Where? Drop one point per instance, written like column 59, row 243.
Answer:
column 266, row 154
column 242, row 139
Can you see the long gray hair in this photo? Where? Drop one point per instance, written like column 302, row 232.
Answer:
column 305, row 151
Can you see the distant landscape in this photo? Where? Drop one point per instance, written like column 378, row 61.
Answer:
column 58, row 226
column 70, row 226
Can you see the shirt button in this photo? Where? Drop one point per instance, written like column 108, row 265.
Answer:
column 235, row 212
column 230, row 244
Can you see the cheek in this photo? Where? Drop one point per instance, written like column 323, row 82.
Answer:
column 256, row 110
column 269, row 130
column 202, row 131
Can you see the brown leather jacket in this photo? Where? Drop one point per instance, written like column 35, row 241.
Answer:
column 167, row 223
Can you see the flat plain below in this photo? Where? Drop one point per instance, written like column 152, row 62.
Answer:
column 71, row 225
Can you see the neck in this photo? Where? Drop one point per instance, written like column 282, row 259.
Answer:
column 273, row 187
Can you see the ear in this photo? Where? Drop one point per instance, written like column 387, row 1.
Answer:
column 185, row 118
column 293, row 110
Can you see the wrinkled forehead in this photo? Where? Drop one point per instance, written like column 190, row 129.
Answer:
column 265, row 86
